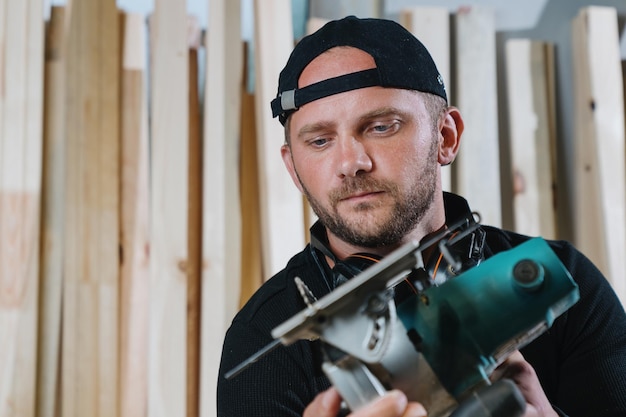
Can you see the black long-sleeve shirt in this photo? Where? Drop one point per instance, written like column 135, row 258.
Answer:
column 580, row 360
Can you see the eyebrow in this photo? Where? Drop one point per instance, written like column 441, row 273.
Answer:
column 383, row 112
column 315, row 127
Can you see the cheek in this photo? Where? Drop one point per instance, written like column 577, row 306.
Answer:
column 403, row 160
column 312, row 172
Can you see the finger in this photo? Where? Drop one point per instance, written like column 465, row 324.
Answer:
column 512, row 366
column 392, row 404
column 325, row 404
column 415, row 410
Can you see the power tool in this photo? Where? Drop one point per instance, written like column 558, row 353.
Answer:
column 440, row 344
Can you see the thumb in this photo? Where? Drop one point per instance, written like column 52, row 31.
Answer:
column 325, row 404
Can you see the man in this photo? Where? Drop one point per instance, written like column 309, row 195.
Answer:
column 367, row 128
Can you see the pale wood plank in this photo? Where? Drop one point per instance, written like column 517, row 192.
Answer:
column 476, row 172
column 600, row 169
column 53, row 198
column 21, row 106
column 221, row 244
column 531, row 140
column 91, row 260
column 282, row 216
column 134, row 222
column 167, row 362
column 431, row 25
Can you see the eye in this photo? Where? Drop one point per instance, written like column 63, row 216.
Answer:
column 318, row 142
column 385, row 128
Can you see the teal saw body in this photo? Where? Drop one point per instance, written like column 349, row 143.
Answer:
column 466, row 326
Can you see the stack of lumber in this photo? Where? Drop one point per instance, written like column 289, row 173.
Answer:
column 143, row 198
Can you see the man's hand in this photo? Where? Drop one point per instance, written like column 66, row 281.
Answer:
column 523, row 375
column 392, row 404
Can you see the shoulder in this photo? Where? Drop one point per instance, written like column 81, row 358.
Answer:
column 278, row 298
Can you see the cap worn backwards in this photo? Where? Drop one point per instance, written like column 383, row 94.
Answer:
column 401, row 60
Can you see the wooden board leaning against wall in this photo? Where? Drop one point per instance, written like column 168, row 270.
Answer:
column 222, row 222
column 21, row 104
column 134, row 221
column 167, row 346
column 52, row 225
column 91, row 249
column 529, row 69
column 600, row 194
column 282, row 213
column 476, row 171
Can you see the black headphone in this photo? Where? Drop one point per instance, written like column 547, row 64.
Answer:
column 465, row 244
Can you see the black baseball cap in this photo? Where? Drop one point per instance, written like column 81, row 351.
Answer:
column 401, row 60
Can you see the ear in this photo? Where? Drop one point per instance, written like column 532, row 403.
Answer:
column 285, row 152
column 451, row 128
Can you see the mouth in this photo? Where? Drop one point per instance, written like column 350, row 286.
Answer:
column 361, row 196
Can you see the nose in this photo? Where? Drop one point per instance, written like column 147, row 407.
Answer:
column 353, row 158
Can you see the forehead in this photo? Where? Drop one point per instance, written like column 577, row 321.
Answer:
column 352, row 108
column 334, row 62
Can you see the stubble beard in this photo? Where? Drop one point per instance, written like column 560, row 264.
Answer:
column 370, row 229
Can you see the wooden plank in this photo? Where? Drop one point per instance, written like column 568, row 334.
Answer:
column 476, row 172
column 531, row 140
column 600, row 195
column 194, row 233
column 168, row 211
column 221, row 243
column 431, row 25
column 91, row 259
column 53, row 198
column 134, row 221
column 281, row 203
column 21, row 106
column 251, row 261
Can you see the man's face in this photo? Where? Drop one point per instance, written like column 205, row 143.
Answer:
column 365, row 159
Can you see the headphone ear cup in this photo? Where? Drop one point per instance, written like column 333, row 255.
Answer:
column 352, row 266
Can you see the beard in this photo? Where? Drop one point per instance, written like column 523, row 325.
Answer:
column 373, row 230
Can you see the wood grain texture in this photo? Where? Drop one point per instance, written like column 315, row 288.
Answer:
column 600, row 195
column 282, row 215
column 251, row 260
column 167, row 362
column 532, row 141
column 476, row 172
column 91, row 258
column 21, row 106
column 194, row 237
column 53, row 198
column 221, row 243
column 134, row 221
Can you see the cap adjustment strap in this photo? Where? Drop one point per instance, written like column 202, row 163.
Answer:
column 291, row 100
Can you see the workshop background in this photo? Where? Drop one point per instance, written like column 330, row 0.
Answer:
column 143, row 198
